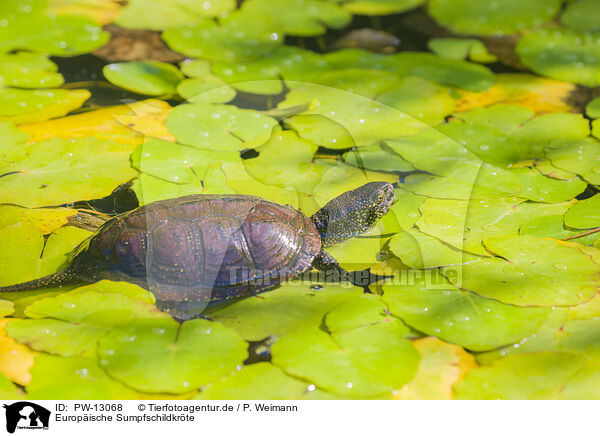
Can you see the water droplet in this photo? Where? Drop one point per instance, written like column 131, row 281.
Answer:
column 561, row 266
column 349, row 384
column 311, row 388
column 490, row 228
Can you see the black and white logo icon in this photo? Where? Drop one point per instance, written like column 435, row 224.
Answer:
column 26, row 415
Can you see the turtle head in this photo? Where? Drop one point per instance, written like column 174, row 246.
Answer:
column 354, row 212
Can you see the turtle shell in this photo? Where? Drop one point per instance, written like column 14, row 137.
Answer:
column 202, row 249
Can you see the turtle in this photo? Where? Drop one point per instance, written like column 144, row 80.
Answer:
column 200, row 250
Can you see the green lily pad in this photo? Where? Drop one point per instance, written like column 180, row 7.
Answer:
column 365, row 120
column 546, row 168
column 531, row 272
column 492, row 18
column 533, row 376
column 206, row 90
column 420, row 98
column 293, row 307
column 8, row 389
column 380, row 7
column 170, row 14
column 70, row 378
column 361, row 362
column 29, row 70
column 31, row 105
column 288, row 62
column 552, row 226
column 506, row 118
column 577, row 156
column 301, row 17
column 177, row 163
column 367, row 309
column 144, row 77
column 72, row 323
column 186, row 356
column 36, row 257
column 59, row 171
column 358, row 253
column 58, row 35
column 585, row 214
column 376, row 157
column 537, row 187
column 592, row 109
column 460, row 316
column 458, row 48
column 562, row 54
column 421, row 251
column 405, row 211
column 464, row 224
column 219, row 127
column 239, row 37
column 580, row 16
column 259, row 381
column 46, row 220
column 6, row 308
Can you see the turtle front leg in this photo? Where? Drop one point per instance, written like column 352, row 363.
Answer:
column 325, row 263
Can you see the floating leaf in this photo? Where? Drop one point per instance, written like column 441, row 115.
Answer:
column 58, row 35
column 378, row 158
column 219, row 127
column 380, row 7
column 28, row 105
column 581, row 16
column 533, row 376
column 70, row 378
column 459, row 316
column 562, row 54
column 169, row 14
column 457, row 48
column 292, row 307
column 8, row 390
column 259, row 381
column 144, row 77
column 301, row 17
column 206, row 90
column 489, row 18
column 60, row 171
column 46, row 220
column 344, row 364
column 36, row 257
column 29, row 70
column 531, row 272
column 441, row 366
column 464, row 224
column 592, row 109
column 578, row 156
column 16, row 359
column 365, row 310
column 187, row 356
column 552, row 226
column 539, row 94
column 239, row 37
column 585, row 214
column 6, row 308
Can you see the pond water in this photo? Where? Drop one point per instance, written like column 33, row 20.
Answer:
column 480, row 281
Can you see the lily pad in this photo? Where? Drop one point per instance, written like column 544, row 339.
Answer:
column 380, row 7
column 293, row 307
column 58, row 35
column 533, row 376
column 458, row 48
column 460, row 316
column 73, row 378
column 552, row 226
column 441, row 366
column 219, row 127
column 36, row 257
column 16, row 359
column 592, row 109
column 562, row 54
column 6, row 308
column 170, row 14
column 577, row 156
column 8, row 390
column 492, row 18
column 72, row 323
column 301, row 17
column 31, row 105
column 144, row 77
column 239, row 37
column 531, row 272
column 464, row 224
column 187, row 356
column 208, row 90
column 585, row 214
column 46, row 220
column 60, row 171
column 259, row 381
column 344, row 364
column 29, row 70
column 581, row 16
column 377, row 157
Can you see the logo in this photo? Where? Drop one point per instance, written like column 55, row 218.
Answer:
column 26, row 415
